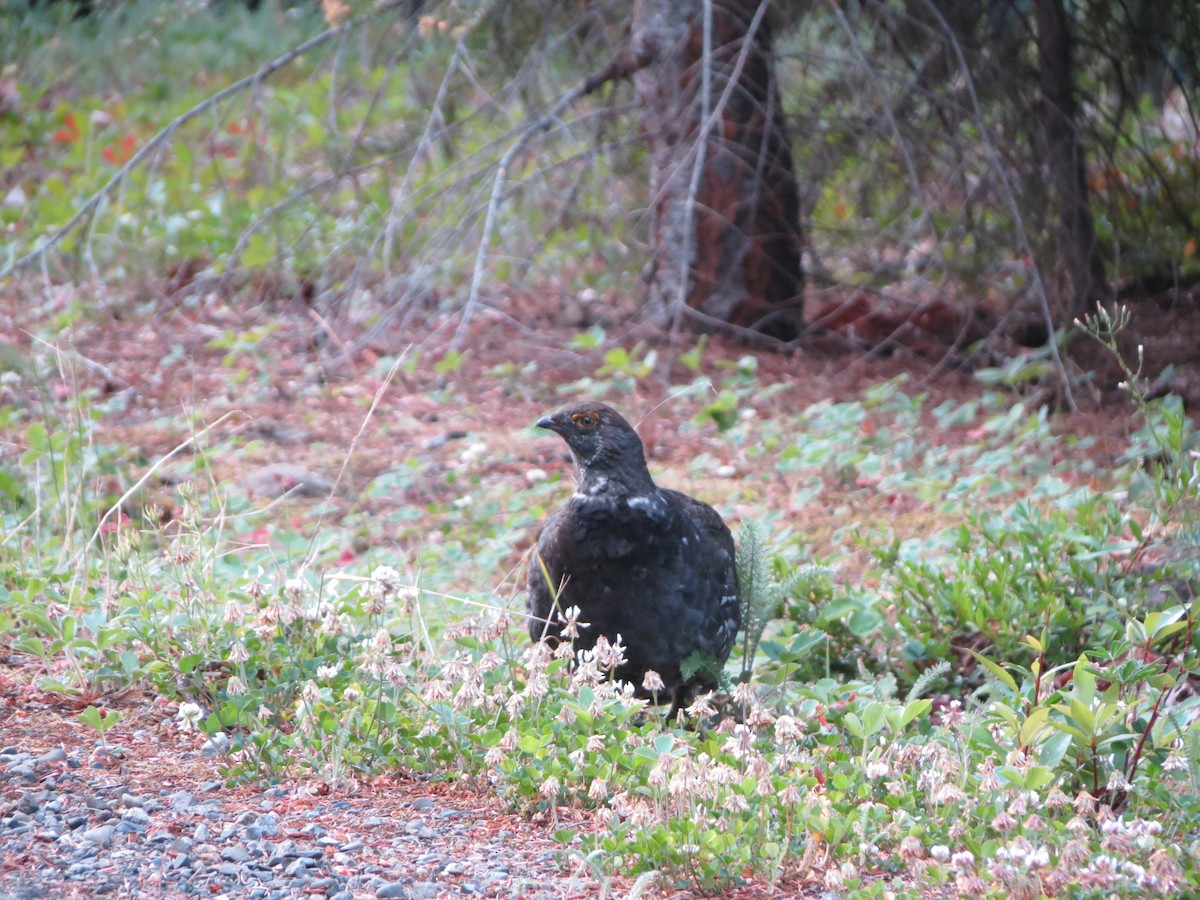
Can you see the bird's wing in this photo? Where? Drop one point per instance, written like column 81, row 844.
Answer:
column 718, row 569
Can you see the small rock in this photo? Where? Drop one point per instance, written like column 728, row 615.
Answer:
column 131, row 802
column 217, row 745
column 423, row 803
column 424, row 890
column 137, row 816
column 393, row 891
column 285, row 479
column 58, row 754
column 235, row 854
column 298, row 866
column 182, row 801
column 351, row 847
column 101, row 834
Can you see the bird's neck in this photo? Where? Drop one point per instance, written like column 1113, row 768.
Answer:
column 630, row 479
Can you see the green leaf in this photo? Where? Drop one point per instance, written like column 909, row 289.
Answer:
column 1000, row 674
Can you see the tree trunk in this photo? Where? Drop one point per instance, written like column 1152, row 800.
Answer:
column 725, row 229
column 1064, row 160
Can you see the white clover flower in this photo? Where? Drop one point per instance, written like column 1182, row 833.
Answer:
column 385, row 579
column 571, row 624
column 549, row 787
column 652, row 682
column 940, row 852
column 238, row 653
column 189, row 716
column 877, row 769
column 473, row 454
column 235, row 686
column 326, row 672
column 294, row 588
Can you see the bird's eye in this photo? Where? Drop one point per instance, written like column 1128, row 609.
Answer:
column 586, row 420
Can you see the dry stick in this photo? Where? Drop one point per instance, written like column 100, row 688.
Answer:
column 146, row 477
column 888, row 112
column 622, row 67
column 701, row 156
column 1018, row 223
column 387, row 380
column 165, row 134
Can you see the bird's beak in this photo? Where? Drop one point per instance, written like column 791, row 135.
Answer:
column 546, row 422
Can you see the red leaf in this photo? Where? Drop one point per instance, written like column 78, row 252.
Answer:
column 68, row 135
column 122, row 151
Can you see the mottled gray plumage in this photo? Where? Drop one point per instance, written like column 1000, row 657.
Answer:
column 652, row 565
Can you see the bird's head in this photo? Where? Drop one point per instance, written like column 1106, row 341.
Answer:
column 606, row 448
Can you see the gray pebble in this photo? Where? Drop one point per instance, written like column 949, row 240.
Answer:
column 235, row 854
column 182, row 801
column 131, row 802
column 23, row 771
column 101, row 834
column 58, row 754
column 298, row 866
column 217, row 745
column 137, row 816
column 394, row 891
column 228, row 869
column 201, row 833
column 28, row 803
column 269, row 823
column 351, row 847
column 425, row 890
column 423, row 803
column 342, row 895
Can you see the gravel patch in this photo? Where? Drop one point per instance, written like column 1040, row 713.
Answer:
column 71, row 829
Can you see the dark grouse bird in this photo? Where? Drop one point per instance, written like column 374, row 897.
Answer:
column 652, row 565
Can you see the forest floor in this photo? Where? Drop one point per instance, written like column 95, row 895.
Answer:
column 145, row 810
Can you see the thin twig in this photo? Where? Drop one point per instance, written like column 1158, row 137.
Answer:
column 91, row 207
column 624, row 65
column 1039, row 286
